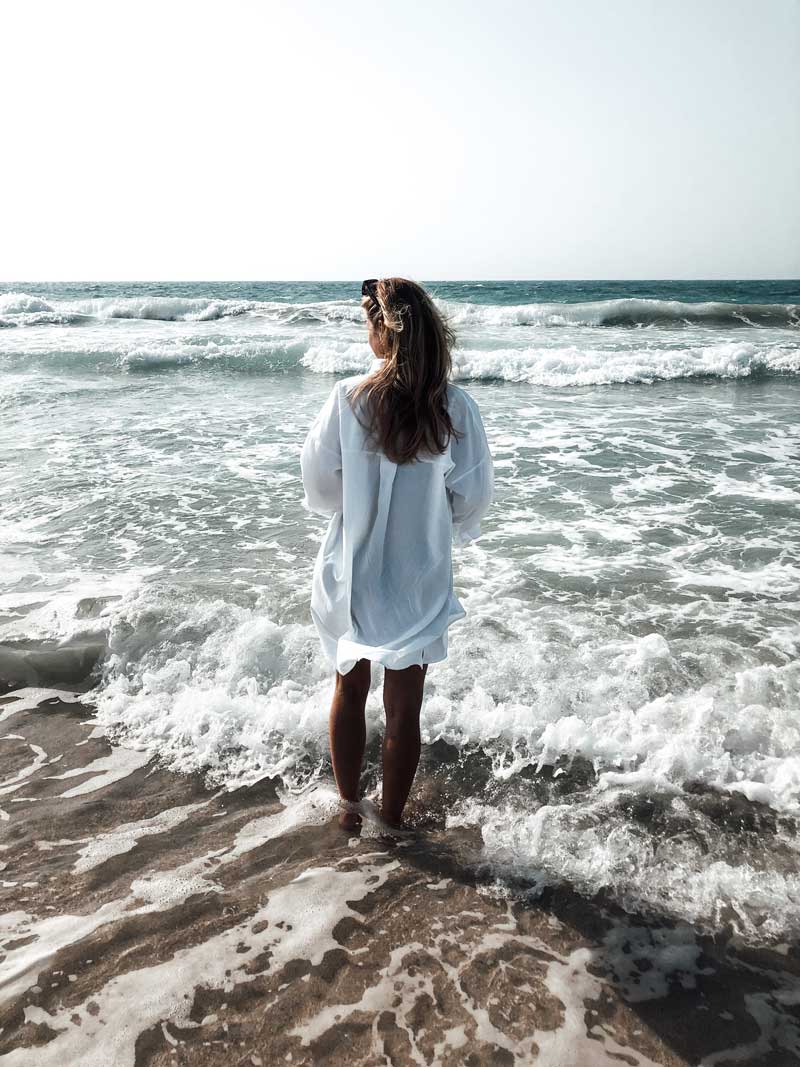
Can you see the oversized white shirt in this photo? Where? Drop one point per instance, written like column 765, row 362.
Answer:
column 382, row 587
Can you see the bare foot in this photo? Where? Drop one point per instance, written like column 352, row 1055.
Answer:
column 378, row 817
column 350, row 816
column 350, row 820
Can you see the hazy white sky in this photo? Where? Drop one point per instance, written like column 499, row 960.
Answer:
column 434, row 138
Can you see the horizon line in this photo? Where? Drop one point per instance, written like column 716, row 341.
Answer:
column 348, row 281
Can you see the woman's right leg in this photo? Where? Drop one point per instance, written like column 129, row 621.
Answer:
column 347, row 732
column 402, row 702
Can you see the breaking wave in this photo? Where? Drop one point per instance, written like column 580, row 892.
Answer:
column 631, row 312
column 22, row 309
column 573, row 366
column 555, row 367
column 684, row 737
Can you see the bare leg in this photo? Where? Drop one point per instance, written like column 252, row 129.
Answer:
column 402, row 701
column 348, row 734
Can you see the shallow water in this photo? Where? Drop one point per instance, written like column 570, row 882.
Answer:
column 145, row 919
column 622, row 701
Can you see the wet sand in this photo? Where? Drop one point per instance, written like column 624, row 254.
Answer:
column 149, row 920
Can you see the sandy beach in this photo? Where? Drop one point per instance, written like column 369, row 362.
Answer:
column 149, row 920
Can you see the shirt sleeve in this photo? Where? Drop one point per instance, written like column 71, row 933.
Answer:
column 321, row 460
column 470, row 483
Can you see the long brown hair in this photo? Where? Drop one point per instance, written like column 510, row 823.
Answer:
column 406, row 398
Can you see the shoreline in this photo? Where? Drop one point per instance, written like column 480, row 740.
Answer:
column 150, row 920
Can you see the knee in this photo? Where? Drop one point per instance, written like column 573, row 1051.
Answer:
column 354, row 685
column 402, row 716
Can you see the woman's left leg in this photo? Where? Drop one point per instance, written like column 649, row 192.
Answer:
column 348, row 733
column 402, row 702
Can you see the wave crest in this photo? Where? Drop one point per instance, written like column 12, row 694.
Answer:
column 23, row 309
column 631, row 312
column 556, row 367
column 573, row 366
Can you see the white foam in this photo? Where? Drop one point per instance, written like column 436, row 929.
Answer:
column 622, row 312
column 22, row 304
column 579, row 365
column 582, row 366
column 104, row 771
column 251, row 697
column 97, row 850
column 403, row 983
column 590, row 844
column 30, row 696
column 343, row 358
column 156, row 891
column 297, row 922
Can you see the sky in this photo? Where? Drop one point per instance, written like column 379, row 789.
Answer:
column 438, row 139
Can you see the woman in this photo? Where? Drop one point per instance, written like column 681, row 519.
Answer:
column 398, row 459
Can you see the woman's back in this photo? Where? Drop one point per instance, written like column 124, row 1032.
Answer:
column 384, row 575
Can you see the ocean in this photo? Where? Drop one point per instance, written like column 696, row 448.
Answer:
column 620, row 709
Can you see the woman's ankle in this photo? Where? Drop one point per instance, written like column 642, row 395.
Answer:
column 393, row 818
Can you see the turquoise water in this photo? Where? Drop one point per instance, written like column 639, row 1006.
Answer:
column 479, row 292
column 633, row 606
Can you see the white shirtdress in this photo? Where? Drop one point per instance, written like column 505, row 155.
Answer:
column 382, row 588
